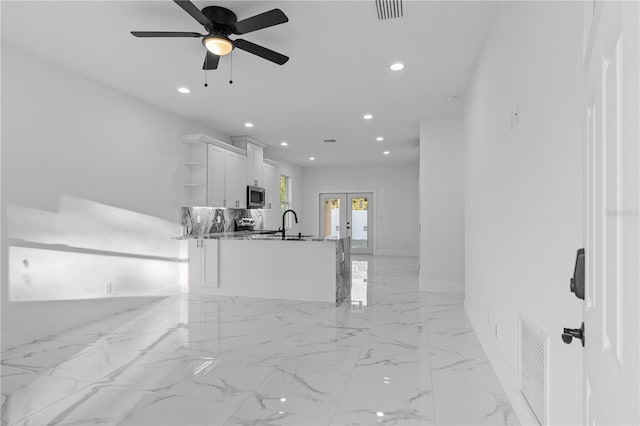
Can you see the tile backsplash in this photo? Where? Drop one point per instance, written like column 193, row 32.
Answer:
column 212, row 220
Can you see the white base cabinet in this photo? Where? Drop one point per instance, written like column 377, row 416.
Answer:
column 203, row 264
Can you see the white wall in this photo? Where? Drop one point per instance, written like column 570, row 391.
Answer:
column 65, row 134
column 395, row 188
column 442, row 205
column 523, row 193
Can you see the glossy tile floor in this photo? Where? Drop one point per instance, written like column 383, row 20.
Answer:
column 394, row 356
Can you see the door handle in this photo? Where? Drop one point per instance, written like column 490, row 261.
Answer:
column 569, row 333
column 577, row 282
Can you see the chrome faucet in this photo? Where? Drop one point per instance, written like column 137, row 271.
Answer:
column 295, row 216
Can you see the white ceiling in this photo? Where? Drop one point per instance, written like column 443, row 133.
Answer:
column 339, row 68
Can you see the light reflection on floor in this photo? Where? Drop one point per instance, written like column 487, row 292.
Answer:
column 359, row 273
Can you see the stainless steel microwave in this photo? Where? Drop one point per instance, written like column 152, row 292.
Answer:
column 255, row 197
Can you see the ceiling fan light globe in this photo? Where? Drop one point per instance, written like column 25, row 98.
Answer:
column 218, row 45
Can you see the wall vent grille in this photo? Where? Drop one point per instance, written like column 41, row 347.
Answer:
column 533, row 368
column 390, row 9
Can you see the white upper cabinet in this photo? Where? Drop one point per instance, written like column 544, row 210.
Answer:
column 216, row 160
column 255, row 172
column 235, row 183
column 255, row 154
column 217, row 174
column 269, row 186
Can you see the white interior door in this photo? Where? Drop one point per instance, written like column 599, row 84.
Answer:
column 348, row 215
column 612, row 300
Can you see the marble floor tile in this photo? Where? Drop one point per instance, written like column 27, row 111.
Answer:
column 368, row 402
column 394, row 365
column 292, row 392
column 173, row 410
column 459, row 407
column 38, row 392
column 96, row 404
column 256, row 417
column 399, row 356
column 331, row 358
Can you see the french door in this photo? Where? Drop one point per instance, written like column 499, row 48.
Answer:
column 348, row 215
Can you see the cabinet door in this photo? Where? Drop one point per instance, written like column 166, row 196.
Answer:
column 269, row 185
column 257, row 166
column 216, row 176
column 210, row 263
column 254, row 165
column 196, row 263
column 235, row 180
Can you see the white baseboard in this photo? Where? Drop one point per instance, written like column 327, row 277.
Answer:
column 442, row 286
column 507, row 376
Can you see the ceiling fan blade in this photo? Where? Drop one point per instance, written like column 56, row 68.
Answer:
column 261, row 51
column 164, row 34
column 210, row 61
column 258, row 22
column 193, row 10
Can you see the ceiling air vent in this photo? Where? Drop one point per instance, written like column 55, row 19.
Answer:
column 330, row 141
column 390, row 9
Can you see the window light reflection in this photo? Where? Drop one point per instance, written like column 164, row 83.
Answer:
column 359, row 272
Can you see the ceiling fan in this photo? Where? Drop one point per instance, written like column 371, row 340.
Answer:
column 219, row 23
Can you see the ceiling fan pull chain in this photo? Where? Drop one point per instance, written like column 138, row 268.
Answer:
column 231, row 69
column 205, row 79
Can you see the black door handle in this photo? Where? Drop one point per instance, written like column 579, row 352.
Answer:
column 570, row 333
column 577, row 281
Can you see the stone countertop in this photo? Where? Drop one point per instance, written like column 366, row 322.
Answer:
column 247, row 235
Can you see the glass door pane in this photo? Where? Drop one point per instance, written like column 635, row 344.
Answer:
column 359, row 221
column 332, row 215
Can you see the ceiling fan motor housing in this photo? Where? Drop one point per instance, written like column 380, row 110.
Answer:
column 222, row 18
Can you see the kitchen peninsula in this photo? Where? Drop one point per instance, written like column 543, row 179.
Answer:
column 253, row 264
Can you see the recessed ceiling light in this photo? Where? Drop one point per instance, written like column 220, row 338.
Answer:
column 312, row 158
column 183, row 90
column 452, row 98
column 380, row 414
column 397, row 66
column 367, row 116
column 386, row 153
column 283, row 143
column 247, row 124
column 379, row 138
